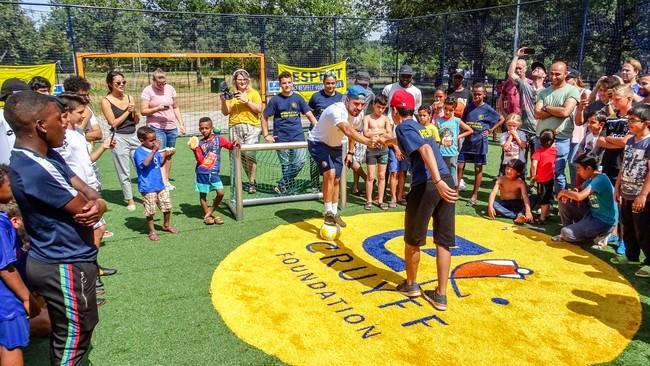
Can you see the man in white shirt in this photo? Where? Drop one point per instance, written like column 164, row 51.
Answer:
column 405, row 82
column 7, row 137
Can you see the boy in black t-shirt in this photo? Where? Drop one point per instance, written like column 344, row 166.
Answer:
column 432, row 196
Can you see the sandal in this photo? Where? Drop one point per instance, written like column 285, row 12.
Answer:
column 392, row 204
column 208, row 220
column 471, row 202
column 218, row 220
column 368, row 206
column 643, row 272
column 402, row 202
column 383, row 206
column 170, row 229
column 623, row 260
column 153, row 236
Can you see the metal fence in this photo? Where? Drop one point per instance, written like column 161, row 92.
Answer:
column 594, row 36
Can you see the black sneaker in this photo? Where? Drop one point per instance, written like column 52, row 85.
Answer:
column 100, row 301
column 339, row 221
column 436, row 300
column 405, row 289
column 99, row 284
column 330, row 218
column 103, row 271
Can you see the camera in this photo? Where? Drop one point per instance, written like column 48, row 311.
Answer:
column 227, row 95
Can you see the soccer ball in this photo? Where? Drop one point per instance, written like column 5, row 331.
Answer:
column 330, row 232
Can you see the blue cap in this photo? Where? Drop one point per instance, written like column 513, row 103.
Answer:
column 356, row 92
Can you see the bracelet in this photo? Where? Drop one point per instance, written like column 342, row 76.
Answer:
column 265, row 136
column 350, row 153
column 436, row 182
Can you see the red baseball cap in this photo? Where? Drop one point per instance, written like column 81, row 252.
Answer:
column 402, row 100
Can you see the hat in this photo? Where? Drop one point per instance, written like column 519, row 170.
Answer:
column 458, row 74
column 537, row 64
column 402, row 100
column 356, row 92
column 405, row 70
column 362, row 76
column 11, row 86
column 573, row 74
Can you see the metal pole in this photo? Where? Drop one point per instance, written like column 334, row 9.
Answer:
column 394, row 74
column 71, row 38
column 443, row 52
column 343, row 183
column 239, row 194
column 515, row 43
column 334, row 31
column 583, row 34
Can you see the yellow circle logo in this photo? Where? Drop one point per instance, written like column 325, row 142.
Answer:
column 514, row 297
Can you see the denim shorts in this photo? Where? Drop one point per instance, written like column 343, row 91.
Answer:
column 167, row 137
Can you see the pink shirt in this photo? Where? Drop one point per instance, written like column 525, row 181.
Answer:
column 165, row 119
column 510, row 97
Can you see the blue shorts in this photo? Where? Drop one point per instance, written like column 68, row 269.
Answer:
column 478, row 159
column 206, row 183
column 395, row 165
column 326, row 157
column 14, row 332
column 167, row 137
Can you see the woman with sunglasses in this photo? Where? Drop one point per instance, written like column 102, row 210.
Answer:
column 121, row 115
column 244, row 120
column 158, row 103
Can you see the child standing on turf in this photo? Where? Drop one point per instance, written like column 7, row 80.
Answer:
column 376, row 124
column 513, row 203
column 632, row 189
column 513, row 142
column 542, row 171
column 208, row 162
column 426, row 119
column 588, row 145
column 14, row 295
column 449, row 127
column 591, row 212
column 148, row 162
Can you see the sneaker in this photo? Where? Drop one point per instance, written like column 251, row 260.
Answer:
column 99, row 284
column 169, row 187
column 99, row 292
column 623, row 260
column 408, row 290
column 439, row 302
column 130, row 208
column 107, row 234
column 339, row 221
column 330, row 218
column 101, row 301
column 600, row 242
column 613, row 239
column 620, row 250
column 557, row 237
column 279, row 189
column 461, row 185
column 103, row 271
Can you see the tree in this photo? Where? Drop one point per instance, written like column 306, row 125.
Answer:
column 18, row 36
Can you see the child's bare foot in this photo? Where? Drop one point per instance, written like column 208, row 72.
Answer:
column 170, row 229
column 153, row 236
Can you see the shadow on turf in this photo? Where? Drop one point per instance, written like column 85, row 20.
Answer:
column 115, row 196
column 292, row 215
column 195, row 211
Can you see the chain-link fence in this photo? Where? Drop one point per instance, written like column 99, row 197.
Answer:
column 594, row 36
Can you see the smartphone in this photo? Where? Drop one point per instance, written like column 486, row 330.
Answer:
column 166, row 107
column 529, row 51
column 112, row 135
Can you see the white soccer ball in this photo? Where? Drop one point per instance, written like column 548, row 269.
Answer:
column 330, row 232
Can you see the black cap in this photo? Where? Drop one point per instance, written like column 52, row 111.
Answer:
column 362, row 76
column 405, row 70
column 573, row 74
column 537, row 64
column 11, row 86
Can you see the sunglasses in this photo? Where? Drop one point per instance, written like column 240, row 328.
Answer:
column 120, row 82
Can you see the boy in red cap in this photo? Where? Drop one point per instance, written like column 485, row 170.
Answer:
column 432, row 196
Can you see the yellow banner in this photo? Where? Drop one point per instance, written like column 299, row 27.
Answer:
column 309, row 80
column 26, row 73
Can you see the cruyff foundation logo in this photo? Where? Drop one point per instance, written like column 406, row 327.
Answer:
column 376, row 247
column 313, row 302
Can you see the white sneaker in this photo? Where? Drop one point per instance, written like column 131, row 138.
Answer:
column 130, row 208
column 461, row 185
column 600, row 242
column 169, row 187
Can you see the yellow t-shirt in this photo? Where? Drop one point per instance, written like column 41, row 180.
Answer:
column 240, row 112
column 433, row 131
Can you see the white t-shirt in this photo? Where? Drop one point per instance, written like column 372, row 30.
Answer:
column 390, row 89
column 516, row 152
column 7, row 139
column 326, row 130
column 75, row 152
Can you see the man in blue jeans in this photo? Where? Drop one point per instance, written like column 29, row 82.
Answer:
column 286, row 108
column 553, row 110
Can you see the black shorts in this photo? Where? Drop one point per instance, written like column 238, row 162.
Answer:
column 545, row 192
column 423, row 203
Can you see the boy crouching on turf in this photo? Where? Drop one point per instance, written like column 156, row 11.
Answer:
column 431, row 196
column 148, row 161
column 513, row 203
column 207, row 152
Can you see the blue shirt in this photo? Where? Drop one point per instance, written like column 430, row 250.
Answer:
column 42, row 187
column 149, row 177
column 601, row 200
column 319, row 101
column 448, row 131
column 480, row 119
column 286, row 117
column 410, row 137
column 10, row 304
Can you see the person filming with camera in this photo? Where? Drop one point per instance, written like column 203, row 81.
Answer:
column 243, row 108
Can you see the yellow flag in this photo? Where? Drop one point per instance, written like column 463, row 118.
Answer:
column 309, row 80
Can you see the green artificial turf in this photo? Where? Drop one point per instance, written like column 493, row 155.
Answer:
column 159, row 310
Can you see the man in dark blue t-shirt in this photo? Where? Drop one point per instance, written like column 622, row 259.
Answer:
column 286, row 108
column 59, row 211
column 326, row 96
column 484, row 120
column 431, row 196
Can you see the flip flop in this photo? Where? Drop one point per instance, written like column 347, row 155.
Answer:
column 383, row 206
column 643, row 272
column 208, row 220
column 471, row 202
column 218, row 220
column 153, row 236
column 368, row 206
column 392, row 204
column 171, row 229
